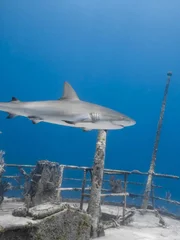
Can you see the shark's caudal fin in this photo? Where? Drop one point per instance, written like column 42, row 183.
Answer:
column 12, row 115
column 69, row 93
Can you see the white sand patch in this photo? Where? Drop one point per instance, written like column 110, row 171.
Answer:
column 144, row 227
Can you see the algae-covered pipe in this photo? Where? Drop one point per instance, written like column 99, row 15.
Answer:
column 94, row 206
column 156, row 143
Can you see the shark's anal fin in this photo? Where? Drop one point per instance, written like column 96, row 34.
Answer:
column 86, row 129
column 11, row 115
column 35, row 119
column 35, row 122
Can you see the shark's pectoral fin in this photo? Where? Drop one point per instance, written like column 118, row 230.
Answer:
column 88, row 117
column 86, row 129
column 69, row 122
column 77, row 119
column 35, row 119
column 11, row 115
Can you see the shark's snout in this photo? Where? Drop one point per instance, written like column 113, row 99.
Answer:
column 125, row 122
column 130, row 122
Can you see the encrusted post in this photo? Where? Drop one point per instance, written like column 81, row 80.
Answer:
column 1, row 173
column 152, row 166
column 94, row 207
column 152, row 195
column 124, row 205
column 60, row 183
column 2, row 164
column 4, row 185
column 83, row 188
column 26, row 181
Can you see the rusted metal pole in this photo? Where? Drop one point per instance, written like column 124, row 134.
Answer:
column 156, row 143
column 94, row 206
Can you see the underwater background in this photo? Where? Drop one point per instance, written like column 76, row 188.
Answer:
column 113, row 53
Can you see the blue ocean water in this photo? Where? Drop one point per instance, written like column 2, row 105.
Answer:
column 114, row 53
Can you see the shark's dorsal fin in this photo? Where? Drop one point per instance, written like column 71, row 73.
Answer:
column 69, row 93
column 14, row 99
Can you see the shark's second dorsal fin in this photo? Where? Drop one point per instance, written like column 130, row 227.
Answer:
column 69, row 93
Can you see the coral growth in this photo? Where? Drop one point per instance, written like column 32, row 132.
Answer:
column 4, row 185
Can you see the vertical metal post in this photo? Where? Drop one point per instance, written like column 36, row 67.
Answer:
column 94, row 206
column 156, row 144
column 83, row 187
column 125, row 189
column 152, row 195
column 60, row 183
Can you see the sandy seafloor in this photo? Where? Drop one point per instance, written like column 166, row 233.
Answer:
column 144, row 227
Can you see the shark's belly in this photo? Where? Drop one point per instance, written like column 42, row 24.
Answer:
column 87, row 125
column 98, row 125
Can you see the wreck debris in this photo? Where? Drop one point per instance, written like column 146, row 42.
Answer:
column 156, row 143
column 124, row 205
column 4, row 185
column 161, row 220
column 117, row 221
column 45, row 210
column 107, row 191
column 27, row 201
column 94, row 207
column 168, row 195
column 44, row 182
column 59, row 184
column 2, row 163
column 122, row 182
column 116, row 185
column 20, row 212
column 48, row 222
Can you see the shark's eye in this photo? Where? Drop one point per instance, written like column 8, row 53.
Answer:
column 95, row 116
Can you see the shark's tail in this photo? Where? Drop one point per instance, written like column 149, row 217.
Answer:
column 7, row 107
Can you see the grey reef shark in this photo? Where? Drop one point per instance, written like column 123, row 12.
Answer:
column 69, row 110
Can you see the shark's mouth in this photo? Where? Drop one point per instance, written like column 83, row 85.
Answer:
column 117, row 124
